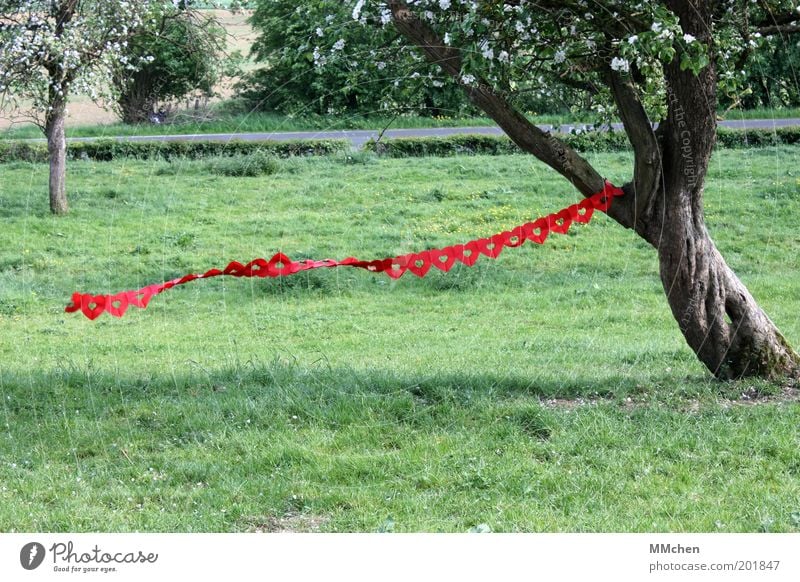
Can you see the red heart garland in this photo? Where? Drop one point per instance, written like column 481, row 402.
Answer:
column 92, row 306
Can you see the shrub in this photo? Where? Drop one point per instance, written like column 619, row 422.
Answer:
column 256, row 164
column 585, row 142
column 107, row 150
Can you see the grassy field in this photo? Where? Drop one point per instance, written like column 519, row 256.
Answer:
column 549, row 390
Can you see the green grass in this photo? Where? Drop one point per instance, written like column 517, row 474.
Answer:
column 549, row 390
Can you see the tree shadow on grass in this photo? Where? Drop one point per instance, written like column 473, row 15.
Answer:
column 284, row 384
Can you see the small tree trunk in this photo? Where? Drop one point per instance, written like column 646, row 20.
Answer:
column 57, row 148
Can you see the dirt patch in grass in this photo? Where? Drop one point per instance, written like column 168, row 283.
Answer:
column 287, row 523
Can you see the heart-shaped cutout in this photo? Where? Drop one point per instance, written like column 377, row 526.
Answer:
column 235, row 269
column 256, row 268
column 117, row 305
column 560, row 222
column 536, row 231
column 443, row 259
column 468, row 253
column 93, row 305
column 584, row 211
column 512, row 238
column 397, row 266
column 419, row 263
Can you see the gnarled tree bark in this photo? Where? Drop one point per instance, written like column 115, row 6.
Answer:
column 717, row 315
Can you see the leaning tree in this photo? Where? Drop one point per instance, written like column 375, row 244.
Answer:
column 659, row 61
column 52, row 49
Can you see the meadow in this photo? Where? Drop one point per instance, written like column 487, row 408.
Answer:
column 547, row 390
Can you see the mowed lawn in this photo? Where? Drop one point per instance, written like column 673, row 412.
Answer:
column 547, row 390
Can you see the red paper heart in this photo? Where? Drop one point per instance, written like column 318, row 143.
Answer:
column 280, row 265
column 256, row 268
column 419, row 263
column 75, row 304
column 584, row 211
column 536, row 231
column 443, row 259
column 117, row 305
column 601, row 201
column 512, row 238
column 468, row 253
column 397, row 266
column 560, row 222
column 235, row 269
column 488, row 247
column 93, row 305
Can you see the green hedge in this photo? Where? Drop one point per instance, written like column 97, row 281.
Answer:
column 588, row 141
column 107, row 150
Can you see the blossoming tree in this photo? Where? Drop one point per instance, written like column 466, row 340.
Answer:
column 52, row 49
column 649, row 61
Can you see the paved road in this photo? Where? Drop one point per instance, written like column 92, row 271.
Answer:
column 360, row 137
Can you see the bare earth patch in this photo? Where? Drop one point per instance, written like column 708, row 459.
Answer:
column 287, row 523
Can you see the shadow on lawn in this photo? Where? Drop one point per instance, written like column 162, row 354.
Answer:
column 285, row 382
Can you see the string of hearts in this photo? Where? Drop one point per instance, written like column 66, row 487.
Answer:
column 92, row 306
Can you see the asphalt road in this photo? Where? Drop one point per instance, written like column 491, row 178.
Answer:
column 360, row 137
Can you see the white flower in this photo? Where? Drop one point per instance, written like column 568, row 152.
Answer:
column 357, row 9
column 687, row 38
column 560, row 57
column 620, row 64
column 446, row 38
column 320, row 32
column 632, row 39
column 656, row 27
column 444, row 4
column 468, row 79
column 338, row 45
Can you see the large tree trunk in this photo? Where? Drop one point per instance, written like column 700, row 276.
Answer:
column 719, row 318
column 57, row 148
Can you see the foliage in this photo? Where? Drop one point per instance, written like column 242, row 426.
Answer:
column 529, row 51
column 772, row 76
column 108, row 150
column 378, row 76
column 585, row 142
column 179, row 54
column 50, row 50
column 258, row 163
column 497, row 394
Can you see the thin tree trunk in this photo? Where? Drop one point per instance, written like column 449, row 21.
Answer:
column 57, row 148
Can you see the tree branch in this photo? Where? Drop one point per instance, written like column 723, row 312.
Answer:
column 779, row 29
column 527, row 136
column 647, row 151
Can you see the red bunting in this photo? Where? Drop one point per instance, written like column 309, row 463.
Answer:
column 92, row 306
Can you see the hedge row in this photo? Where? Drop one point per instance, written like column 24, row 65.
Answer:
column 588, row 141
column 107, row 150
